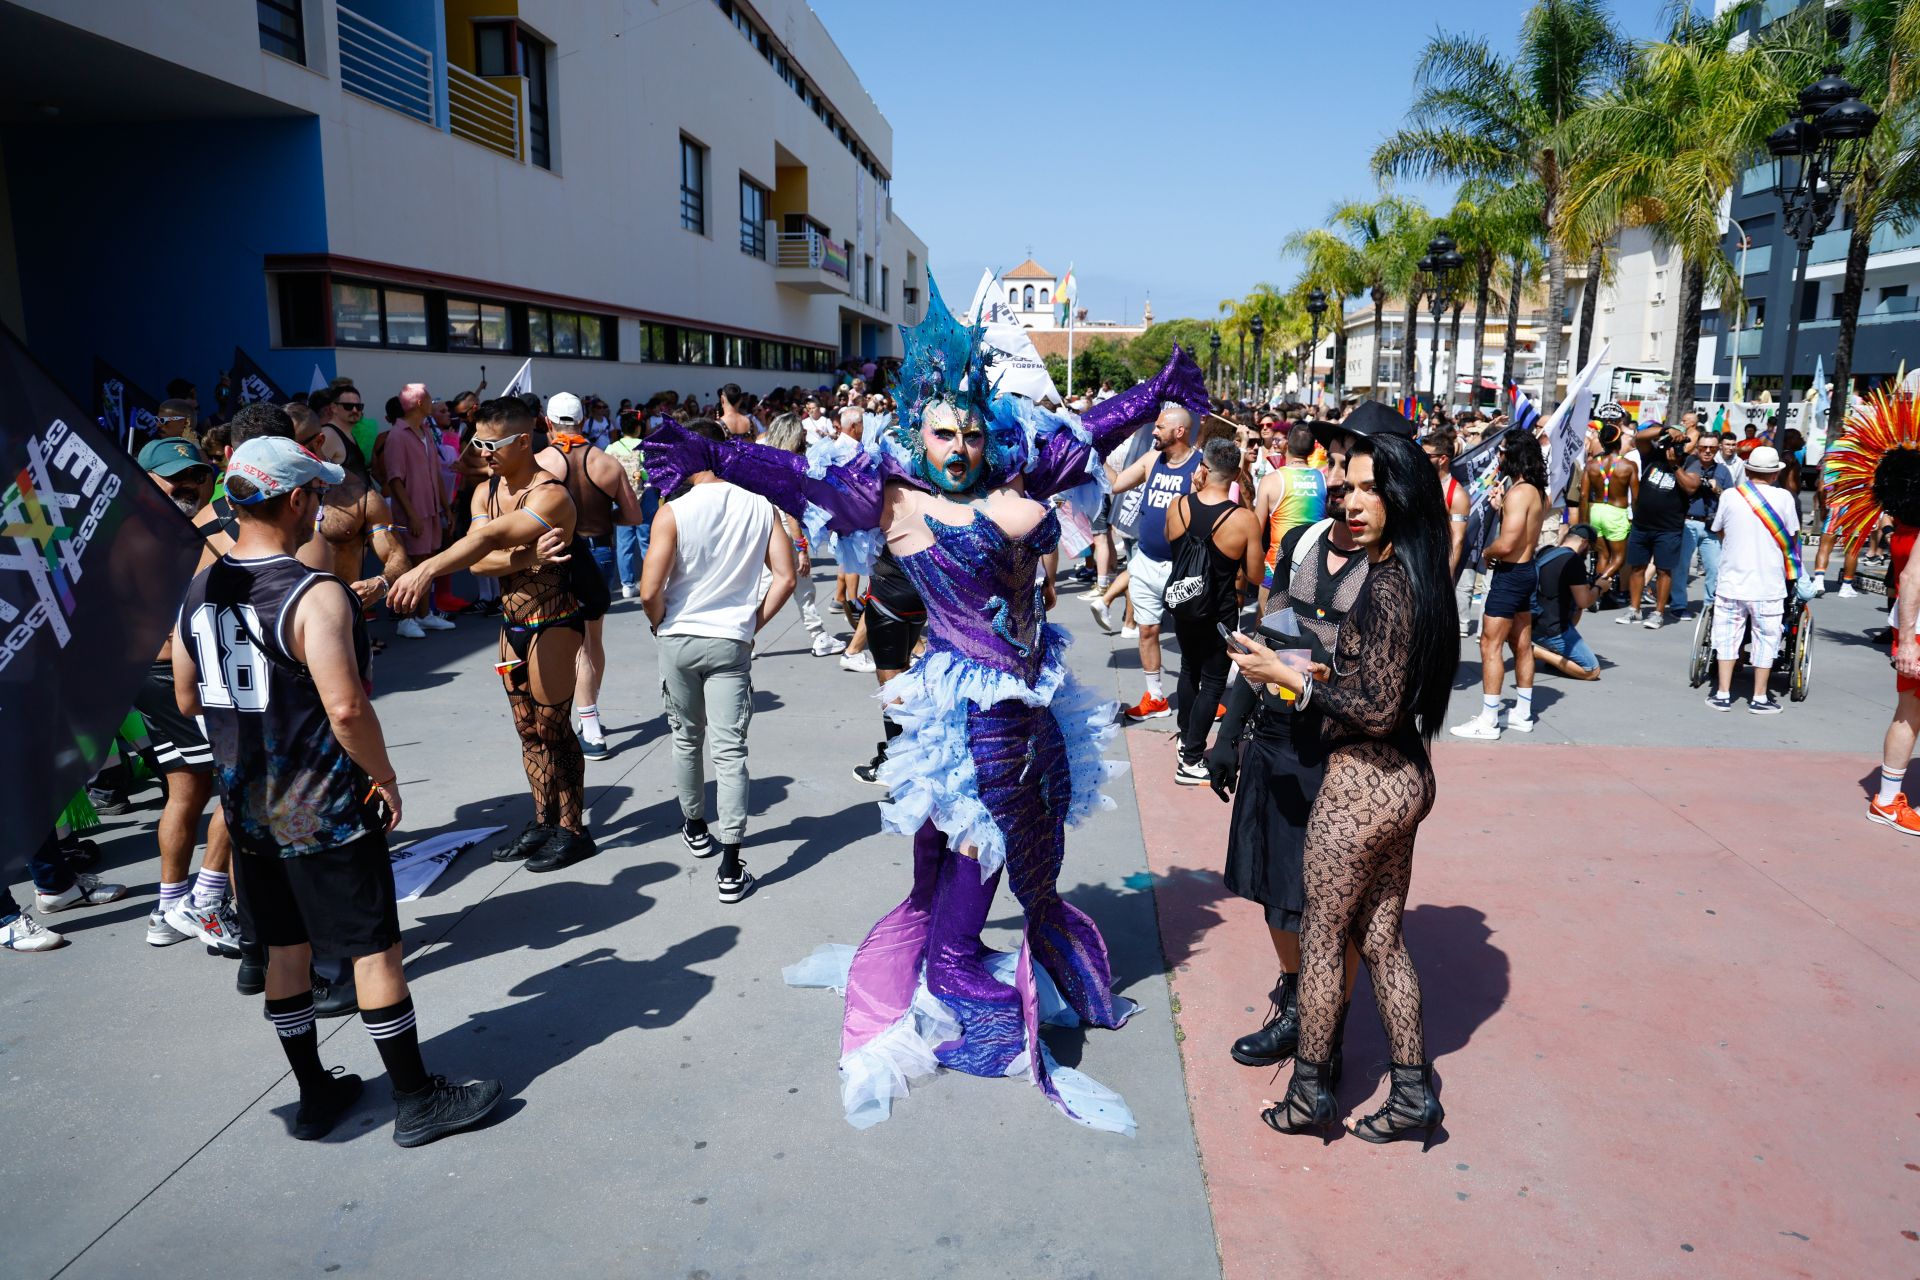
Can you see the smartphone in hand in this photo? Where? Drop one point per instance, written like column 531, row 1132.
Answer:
column 1233, row 646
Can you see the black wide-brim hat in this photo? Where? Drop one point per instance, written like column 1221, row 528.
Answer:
column 1369, row 418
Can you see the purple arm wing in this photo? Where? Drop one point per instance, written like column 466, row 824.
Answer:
column 673, row 453
column 1111, row 421
column 850, row 494
column 1061, row 466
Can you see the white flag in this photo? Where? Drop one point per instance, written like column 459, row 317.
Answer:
column 319, row 382
column 521, row 382
column 1013, row 362
column 980, row 293
column 1567, row 428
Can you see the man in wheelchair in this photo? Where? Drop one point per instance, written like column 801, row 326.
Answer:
column 1758, row 525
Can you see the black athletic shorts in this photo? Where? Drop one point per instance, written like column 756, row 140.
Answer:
column 341, row 900
column 891, row 640
column 1514, row 591
column 176, row 741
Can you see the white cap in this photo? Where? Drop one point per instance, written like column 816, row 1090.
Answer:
column 276, row 465
column 565, row 410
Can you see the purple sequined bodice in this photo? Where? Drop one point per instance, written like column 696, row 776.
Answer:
column 981, row 587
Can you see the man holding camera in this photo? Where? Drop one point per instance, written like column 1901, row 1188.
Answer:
column 1716, row 478
column 1669, row 479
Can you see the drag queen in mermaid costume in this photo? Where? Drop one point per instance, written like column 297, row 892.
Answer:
column 1000, row 750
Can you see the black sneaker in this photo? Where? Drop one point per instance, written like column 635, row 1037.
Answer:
column 1763, row 706
column 251, row 979
column 694, row 832
column 562, row 849
column 442, row 1108
column 107, row 803
column 735, row 887
column 320, row 1112
column 1720, row 701
column 531, row 838
column 334, row 999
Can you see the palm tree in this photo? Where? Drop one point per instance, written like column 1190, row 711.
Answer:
column 1476, row 114
column 1883, row 59
column 1524, row 263
column 1373, row 228
column 1335, row 267
column 1489, row 223
column 1281, row 320
column 1662, row 150
column 1414, row 233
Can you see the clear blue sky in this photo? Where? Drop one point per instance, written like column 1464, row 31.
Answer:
column 1163, row 147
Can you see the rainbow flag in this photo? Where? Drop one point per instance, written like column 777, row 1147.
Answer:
column 1064, row 296
column 1774, row 525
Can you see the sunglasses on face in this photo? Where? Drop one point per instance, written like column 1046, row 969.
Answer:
column 488, row 446
column 349, row 404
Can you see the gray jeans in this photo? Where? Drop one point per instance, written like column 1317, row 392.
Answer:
column 708, row 684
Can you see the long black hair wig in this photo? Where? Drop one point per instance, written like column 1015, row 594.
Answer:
column 1521, row 459
column 1416, row 527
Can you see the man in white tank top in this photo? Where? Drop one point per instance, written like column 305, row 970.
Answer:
column 706, row 590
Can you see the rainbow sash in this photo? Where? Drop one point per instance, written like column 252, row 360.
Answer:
column 1770, row 520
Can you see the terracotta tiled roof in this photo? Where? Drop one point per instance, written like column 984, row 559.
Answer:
column 1029, row 270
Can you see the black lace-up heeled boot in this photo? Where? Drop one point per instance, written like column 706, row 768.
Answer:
column 1308, row 1104
column 1412, row 1107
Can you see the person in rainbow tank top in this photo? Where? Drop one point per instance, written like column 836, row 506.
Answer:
column 1289, row 497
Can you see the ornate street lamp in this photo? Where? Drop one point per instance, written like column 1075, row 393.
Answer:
column 1259, row 328
column 1316, row 307
column 1815, row 156
column 1440, row 268
column 1213, row 345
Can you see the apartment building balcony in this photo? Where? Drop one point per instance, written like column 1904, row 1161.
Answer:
column 385, row 67
column 808, row 262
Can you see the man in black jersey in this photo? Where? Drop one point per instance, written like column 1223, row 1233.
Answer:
column 274, row 654
column 895, row 617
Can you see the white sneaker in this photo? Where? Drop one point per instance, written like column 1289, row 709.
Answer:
column 411, row 629
column 434, row 622
column 825, row 646
column 159, row 932
column 1819, row 587
column 1521, row 726
column 861, row 661
column 1478, row 728
column 1129, row 633
column 1627, row 618
column 85, row 891
column 1653, row 621
column 627, row 591
column 1846, row 591
column 1099, row 608
column 209, row 924
column 24, row 933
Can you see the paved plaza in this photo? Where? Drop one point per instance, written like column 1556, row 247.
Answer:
column 1670, row 987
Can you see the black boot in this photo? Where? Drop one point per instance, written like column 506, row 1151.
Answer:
column 1411, row 1107
column 335, row 999
column 1308, row 1104
column 1279, row 1035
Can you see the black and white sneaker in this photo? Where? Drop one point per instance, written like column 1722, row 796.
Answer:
column 1720, row 701
column 1191, row 773
column 869, row 772
column 733, row 888
column 1763, row 706
column 441, row 1109
column 699, row 843
column 528, row 842
column 320, row 1112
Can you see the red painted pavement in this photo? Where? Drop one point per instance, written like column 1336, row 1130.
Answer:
column 1673, row 997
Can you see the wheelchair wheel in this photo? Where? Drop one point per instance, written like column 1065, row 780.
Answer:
column 1800, row 674
column 1701, row 665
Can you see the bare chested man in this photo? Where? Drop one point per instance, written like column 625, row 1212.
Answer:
column 1507, row 622
column 352, row 516
column 1608, row 491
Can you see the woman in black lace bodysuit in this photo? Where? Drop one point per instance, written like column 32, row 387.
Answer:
column 1382, row 700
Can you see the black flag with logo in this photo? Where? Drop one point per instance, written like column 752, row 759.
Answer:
column 251, row 383
column 122, row 409
column 94, row 561
column 1474, row 471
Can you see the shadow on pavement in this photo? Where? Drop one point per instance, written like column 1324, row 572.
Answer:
column 545, row 914
column 818, row 835
column 575, row 1006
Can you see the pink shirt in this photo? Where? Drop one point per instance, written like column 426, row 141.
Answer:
column 413, row 458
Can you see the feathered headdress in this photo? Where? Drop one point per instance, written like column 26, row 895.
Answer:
column 1874, row 466
column 945, row 360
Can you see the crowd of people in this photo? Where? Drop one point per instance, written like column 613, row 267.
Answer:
column 1315, row 573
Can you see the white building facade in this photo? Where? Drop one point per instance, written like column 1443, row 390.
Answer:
column 638, row 198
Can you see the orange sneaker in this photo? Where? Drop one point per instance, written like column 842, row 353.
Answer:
column 1220, row 711
column 1899, row 815
column 1148, row 708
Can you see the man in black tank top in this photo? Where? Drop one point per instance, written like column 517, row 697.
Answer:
column 1215, row 543
column 602, row 498
column 274, row 654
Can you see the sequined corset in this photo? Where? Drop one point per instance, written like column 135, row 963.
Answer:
column 982, row 590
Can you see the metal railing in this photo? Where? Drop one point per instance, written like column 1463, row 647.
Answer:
column 483, row 112
column 809, row 249
column 385, row 67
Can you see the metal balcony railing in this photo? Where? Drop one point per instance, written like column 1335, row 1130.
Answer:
column 810, row 249
column 384, row 67
column 482, row 112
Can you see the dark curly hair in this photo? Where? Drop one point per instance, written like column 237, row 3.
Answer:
column 1896, row 485
column 1521, row 459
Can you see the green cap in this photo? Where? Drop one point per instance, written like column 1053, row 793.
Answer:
column 169, row 457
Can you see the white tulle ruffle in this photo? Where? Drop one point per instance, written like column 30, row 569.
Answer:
column 929, row 769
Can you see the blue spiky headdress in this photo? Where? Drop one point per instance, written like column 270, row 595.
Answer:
column 945, row 360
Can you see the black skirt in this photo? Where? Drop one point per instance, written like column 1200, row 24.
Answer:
column 1282, row 763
